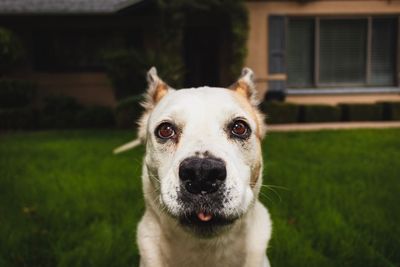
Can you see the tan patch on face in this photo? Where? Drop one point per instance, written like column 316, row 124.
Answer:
column 255, row 174
column 160, row 91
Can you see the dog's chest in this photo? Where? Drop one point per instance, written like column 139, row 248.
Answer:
column 224, row 252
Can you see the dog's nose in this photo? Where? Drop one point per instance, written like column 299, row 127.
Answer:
column 202, row 175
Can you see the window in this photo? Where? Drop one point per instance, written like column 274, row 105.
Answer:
column 342, row 51
column 383, row 63
column 325, row 52
column 300, row 54
column 77, row 50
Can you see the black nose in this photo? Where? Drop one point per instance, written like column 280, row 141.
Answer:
column 202, row 175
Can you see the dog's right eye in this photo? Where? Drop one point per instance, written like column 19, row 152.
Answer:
column 165, row 131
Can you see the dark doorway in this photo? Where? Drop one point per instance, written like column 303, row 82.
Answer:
column 201, row 56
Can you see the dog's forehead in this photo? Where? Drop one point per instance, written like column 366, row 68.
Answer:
column 204, row 101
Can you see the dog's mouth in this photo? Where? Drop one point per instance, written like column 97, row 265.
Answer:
column 204, row 223
column 204, row 216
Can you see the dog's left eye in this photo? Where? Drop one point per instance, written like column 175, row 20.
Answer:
column 240, row 129
column 165, row 131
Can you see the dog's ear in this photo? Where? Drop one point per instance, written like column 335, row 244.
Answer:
column 156, row 90
column 245, row 86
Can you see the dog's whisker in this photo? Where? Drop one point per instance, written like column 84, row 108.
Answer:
column 154, row 177
column 262, row 194
column 150, row 193
column 274, row 191
column 275, row 186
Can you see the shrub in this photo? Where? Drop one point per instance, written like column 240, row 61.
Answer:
column 278, row 112
column 16, row 94
column 127, row 70
column 321, row 113
column 126, row 76
column 391, row 110
column 56, row 104
column 95, row 117
column 395, row 111
column 60, row 112
column 128, row 112
column 18, row 119
column 362, row 112
column 11, row 50
column 63, row 112
column 386, row 110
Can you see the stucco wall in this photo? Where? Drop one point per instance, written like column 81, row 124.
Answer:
column 89, row 88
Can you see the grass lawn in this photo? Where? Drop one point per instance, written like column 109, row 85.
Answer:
column 65, row 200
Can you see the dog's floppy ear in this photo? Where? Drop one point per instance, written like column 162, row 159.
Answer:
column 156, row 90
column 245, row 86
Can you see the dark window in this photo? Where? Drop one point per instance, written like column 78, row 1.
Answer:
column 75, row 50
column 383, row 56
column 324, row 52
column 300, row 52
column 342, row 51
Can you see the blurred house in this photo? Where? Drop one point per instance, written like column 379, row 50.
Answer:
column 326, row 51
column 65, row 40
column 305, row 51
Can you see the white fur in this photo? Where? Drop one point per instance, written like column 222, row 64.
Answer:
column 202, row 114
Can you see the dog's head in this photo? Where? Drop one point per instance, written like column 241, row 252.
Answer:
column 203, row 151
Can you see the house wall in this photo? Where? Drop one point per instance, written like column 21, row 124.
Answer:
column 88, row 88
column 257, row 44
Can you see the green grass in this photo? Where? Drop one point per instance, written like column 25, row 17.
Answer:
column 65, row 200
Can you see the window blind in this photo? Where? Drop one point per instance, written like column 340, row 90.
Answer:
column 300, row 52
column 383, row 49
column 342, row 51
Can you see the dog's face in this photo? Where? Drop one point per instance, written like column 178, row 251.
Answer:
column 203, row 152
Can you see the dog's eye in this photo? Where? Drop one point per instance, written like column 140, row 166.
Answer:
column 240, row 129
column 165, row 130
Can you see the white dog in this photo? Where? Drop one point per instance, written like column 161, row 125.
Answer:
column 202, row 174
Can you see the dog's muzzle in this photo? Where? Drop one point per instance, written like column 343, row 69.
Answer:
column 202, row 175
column 202, row 194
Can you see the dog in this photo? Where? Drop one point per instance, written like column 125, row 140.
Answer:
column 202, row 173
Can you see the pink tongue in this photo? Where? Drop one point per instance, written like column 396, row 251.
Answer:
column 204, row 217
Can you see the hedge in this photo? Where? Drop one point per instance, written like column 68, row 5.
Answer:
column 319, row 113
column 16, row 101
column 391, row 110
column 16, row 93
column 59, row 112
column 278, row 112
column 362, row 112
column 395, row 111
column 18, row 119
column 65, row 112
column 96, row 117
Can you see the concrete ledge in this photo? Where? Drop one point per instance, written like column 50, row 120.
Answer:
column 303, row 127
column 349, row 91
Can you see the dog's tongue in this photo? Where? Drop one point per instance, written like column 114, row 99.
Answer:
column 204, row 217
